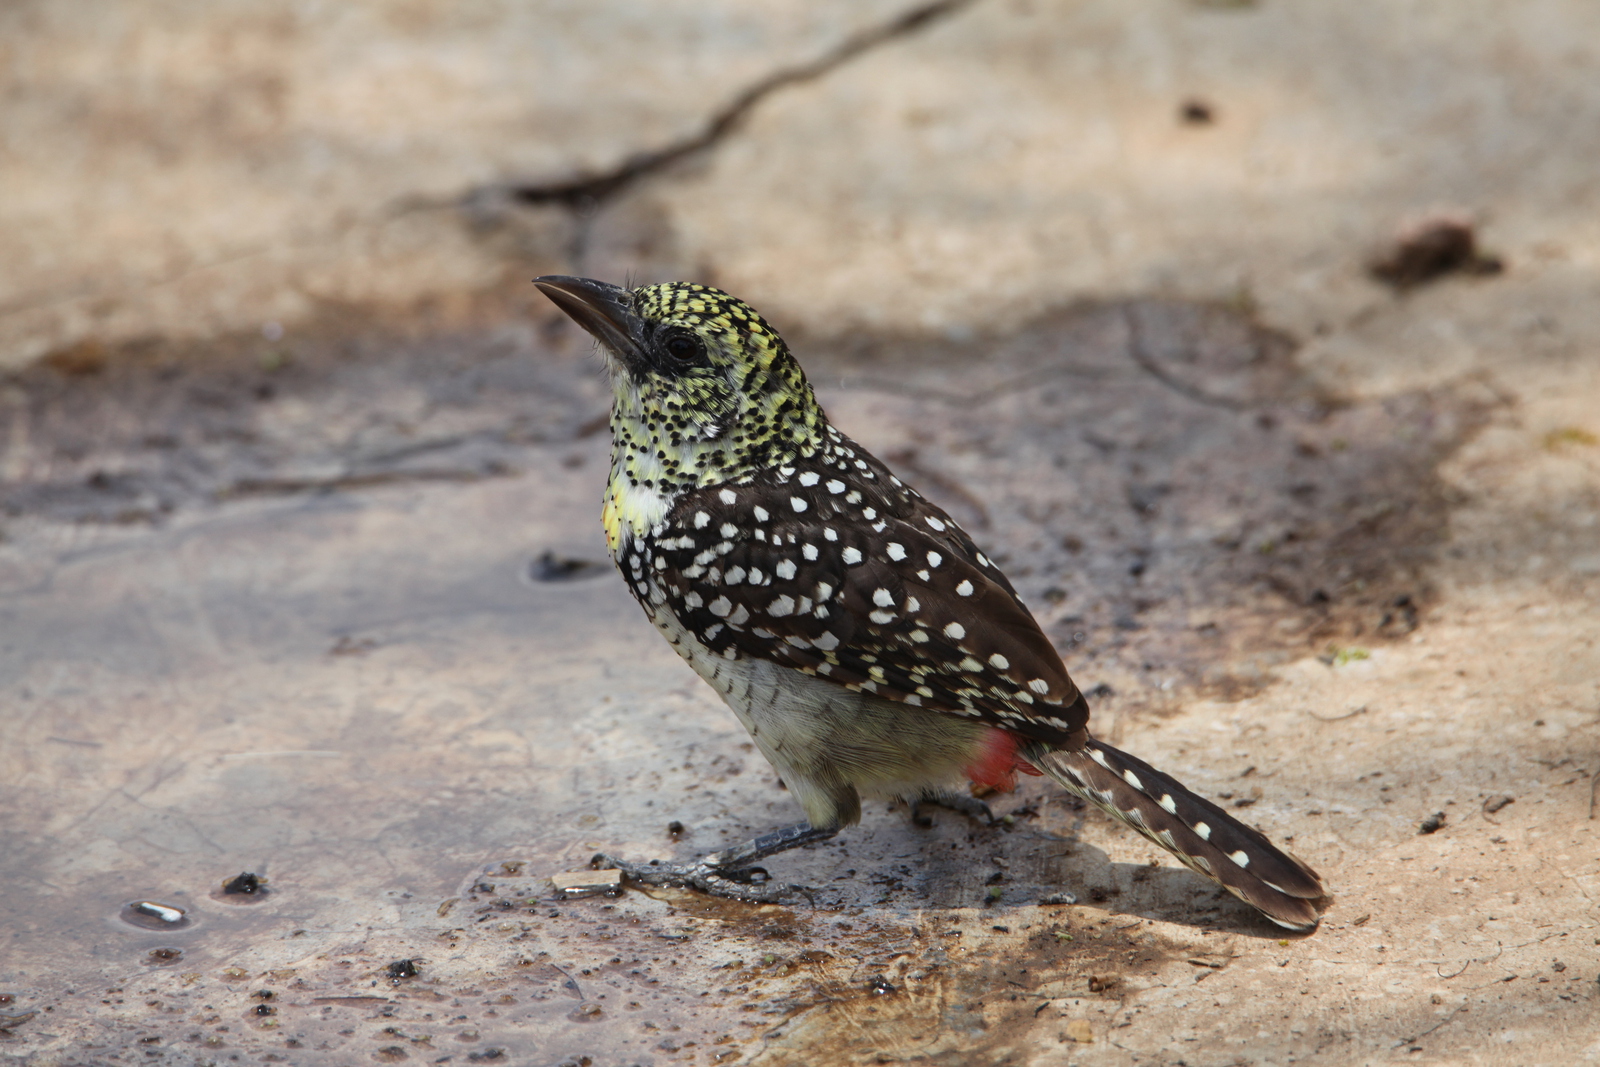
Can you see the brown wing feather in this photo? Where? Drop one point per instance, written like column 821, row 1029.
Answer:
column 839, row 570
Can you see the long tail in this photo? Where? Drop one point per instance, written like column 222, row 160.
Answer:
column 1202, row 835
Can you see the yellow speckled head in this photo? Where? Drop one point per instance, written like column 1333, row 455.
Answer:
column 705, row 391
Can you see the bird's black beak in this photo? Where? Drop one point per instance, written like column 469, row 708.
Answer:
column 603, row 310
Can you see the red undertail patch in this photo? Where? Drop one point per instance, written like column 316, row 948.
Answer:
column 997, row 762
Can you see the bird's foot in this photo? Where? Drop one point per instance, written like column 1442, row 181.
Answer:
column 728, row 873
column 971, row 807
column 750, row 884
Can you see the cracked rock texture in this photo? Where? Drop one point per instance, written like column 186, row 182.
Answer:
column 299, row 538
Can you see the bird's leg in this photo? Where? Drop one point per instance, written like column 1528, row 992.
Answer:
column 971, row 807
column 725, row 873
column 760, row 848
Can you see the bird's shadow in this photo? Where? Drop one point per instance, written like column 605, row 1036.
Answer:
column 958, row 863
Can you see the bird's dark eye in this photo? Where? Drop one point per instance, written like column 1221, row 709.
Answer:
column 683, row 348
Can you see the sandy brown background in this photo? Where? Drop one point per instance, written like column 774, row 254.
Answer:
column 298, row 506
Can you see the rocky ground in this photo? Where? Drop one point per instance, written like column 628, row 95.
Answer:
column 1257, row 340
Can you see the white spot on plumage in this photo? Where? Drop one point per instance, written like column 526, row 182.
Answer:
column 727, row 496
column 870, row 513
column 1039, row 685
column 913, row 699
column 797, row 641
column 761, row 513
column 830, row 534
column 897, row 551
column 785, row 569
column 913, row 605
column 701, row 520
column 852, row 555
column 692, row 599
column 999, row 662
column 796, row 503
column 1132, row 779
column 740, row 615
column 827, row 642
column 1166, row 802
column 1240, row 858
column 965, row 588
column 955, row 631
column 720, row 607
column 883, row 598
column 728, row 529
column 810, row 478
column 934, row 559
column 756, row 577
column 735, row 575
column 882, row 618
column 924, row 575
column 1203, row 830
column 824, row 590
column 919, row 636
column 970, row 665
column 1099, row 757
column 934, row 522
column 809, row 551
column 780, row 607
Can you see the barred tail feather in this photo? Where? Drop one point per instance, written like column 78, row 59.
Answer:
column 1207, row 839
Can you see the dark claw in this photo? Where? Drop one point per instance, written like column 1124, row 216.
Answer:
column 971, row 807
column 747, row 884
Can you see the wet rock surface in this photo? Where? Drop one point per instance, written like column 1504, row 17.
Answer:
column 301, row 575
column 329, row 651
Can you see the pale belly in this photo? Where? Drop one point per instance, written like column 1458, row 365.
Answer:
column 830, row 745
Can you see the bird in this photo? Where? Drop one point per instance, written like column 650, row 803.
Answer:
column 863, row 639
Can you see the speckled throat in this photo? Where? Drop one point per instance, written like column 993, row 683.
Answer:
column 744, row 409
